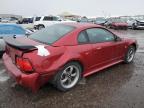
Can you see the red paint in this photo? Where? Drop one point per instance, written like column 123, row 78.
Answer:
column 116, row 25
column 62, row 51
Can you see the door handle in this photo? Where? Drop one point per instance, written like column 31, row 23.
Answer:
column 98, row 48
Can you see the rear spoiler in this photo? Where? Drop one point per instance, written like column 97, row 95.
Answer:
column 11, row 41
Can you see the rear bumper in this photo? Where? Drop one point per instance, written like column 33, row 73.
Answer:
column 27, row 80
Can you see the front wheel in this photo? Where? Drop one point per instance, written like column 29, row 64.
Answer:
column 68, row 77
column 130, row 54
column 133, row 27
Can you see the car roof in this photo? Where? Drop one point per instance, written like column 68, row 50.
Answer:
column 82, row 25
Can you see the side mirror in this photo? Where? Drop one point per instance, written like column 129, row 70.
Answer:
column 117, row 38
column 27, row 33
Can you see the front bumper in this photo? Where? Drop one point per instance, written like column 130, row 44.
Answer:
column 27, row 80
column 140, row 27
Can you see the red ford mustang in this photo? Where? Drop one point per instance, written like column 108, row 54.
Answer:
column 63, row 53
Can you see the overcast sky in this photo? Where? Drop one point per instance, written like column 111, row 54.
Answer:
column 81, row 7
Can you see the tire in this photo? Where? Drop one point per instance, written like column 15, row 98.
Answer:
column 133, row 27
column 1, row 53
column 126, row 28
column 66, row 79
column 130, row 54
column 40, row 27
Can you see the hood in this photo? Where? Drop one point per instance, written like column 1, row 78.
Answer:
column 11, row 35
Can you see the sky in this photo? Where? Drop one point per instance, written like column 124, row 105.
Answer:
column 80, row 7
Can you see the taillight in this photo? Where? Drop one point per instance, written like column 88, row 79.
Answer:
column 24, row 64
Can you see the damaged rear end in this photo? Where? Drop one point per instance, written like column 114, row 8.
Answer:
column 18, row 66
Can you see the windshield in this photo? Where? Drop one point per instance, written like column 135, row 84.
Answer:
column 100, row 19
column 52, row 33
column 84, row 20
column 118, row 20
column 37, row 18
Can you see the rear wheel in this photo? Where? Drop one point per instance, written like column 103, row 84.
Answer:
column 68, row 77
column 41, row 27
column 130, row 54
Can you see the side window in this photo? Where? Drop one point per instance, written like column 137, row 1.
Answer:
column 82, row 38
column 97, row 35
column 47, row 18
column 55, row 18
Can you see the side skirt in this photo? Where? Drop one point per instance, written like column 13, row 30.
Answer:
column 99, row 69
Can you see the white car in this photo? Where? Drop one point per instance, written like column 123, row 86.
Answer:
column 137, row 23
column 44, row 21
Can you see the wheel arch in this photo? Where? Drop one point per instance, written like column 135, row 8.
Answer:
column 77, row 61
column 133, row 44
column 41, row 25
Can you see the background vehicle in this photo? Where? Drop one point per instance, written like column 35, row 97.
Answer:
column 10, row 30
column 9, row 20
column 136, row 23
column 100, row 21
column 83, row 20
column 44, row 21
column 116, row 23
column 63, row 53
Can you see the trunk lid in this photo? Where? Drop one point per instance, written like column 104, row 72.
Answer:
column 18, row 46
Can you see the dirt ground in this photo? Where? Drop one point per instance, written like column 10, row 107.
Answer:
column 120, row 86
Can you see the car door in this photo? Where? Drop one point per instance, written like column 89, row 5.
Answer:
column 103, row 44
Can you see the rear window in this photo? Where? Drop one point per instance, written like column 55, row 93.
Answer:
column 52, row 33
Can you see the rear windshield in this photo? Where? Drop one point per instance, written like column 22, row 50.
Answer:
column 52, row 33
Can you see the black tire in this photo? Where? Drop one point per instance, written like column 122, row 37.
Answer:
column 41, row 27
column 1, row 53
column 133, row 27
column 127, row 58
column 57, row 79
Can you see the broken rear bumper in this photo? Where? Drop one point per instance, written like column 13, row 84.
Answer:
column 27, row 80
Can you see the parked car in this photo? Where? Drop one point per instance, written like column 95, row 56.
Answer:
column 116, row 24
column 44, row 21
column 10, row 30
column 64, row 53
column 9, row 20
column 100, row 21
column 137, row 23
column 83, row 20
